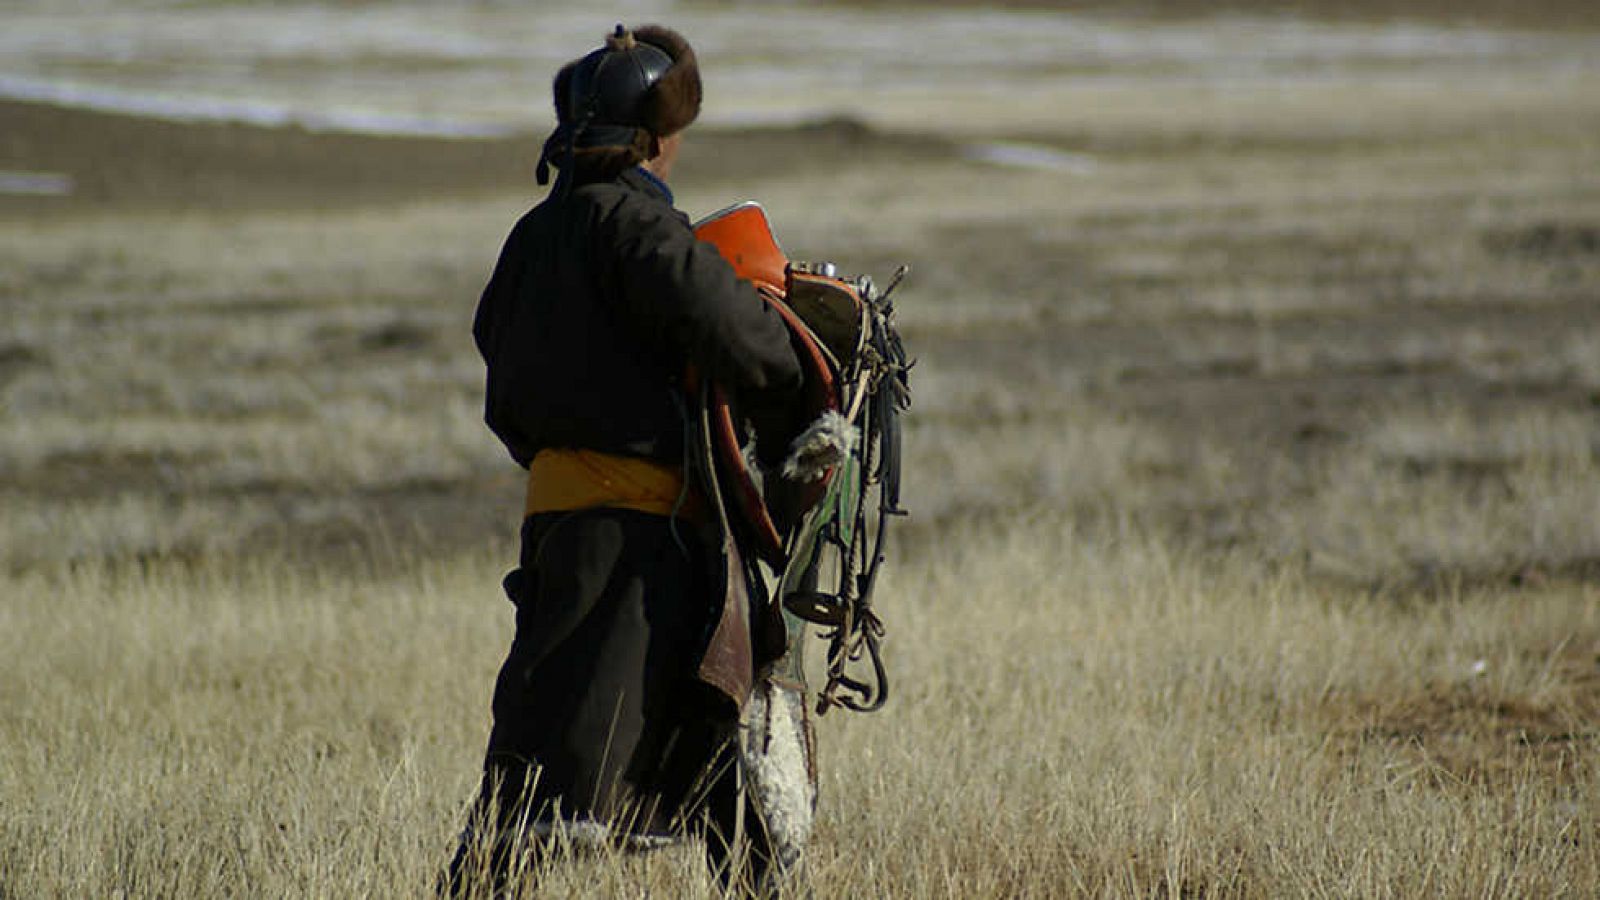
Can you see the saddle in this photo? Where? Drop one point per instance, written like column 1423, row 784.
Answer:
column 791, row 517
column 855, row 388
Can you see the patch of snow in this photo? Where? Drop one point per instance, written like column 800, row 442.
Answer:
column 1031, row 156
column 39, row 184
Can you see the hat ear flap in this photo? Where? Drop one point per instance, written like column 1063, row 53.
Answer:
column 673, row 102
column 561, row 87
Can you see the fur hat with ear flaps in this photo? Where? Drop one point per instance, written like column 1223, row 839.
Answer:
column 616, row 103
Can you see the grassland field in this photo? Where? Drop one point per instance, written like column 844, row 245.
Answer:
column 1254, row 469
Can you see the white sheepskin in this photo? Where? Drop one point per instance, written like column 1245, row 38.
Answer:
column 824, row 444
column 775, row 757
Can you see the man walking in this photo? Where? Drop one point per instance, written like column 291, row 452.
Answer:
column 601, row 300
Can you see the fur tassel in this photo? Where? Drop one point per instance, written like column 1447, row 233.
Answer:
column 621, row 39
column 823, row 445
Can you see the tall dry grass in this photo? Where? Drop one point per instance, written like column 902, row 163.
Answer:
column 1075, row 714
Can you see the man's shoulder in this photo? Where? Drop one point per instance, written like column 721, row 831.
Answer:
column 628, row 196
column 591, row 202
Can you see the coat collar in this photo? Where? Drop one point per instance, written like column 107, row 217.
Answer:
column 640, row 178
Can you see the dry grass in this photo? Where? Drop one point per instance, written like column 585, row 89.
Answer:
column 1075, row 714
column 1254, row 471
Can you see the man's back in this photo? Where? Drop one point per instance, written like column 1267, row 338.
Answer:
column 601, row 297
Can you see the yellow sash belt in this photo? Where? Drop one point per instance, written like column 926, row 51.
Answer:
column 564, row 479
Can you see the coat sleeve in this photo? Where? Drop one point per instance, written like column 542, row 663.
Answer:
column 681, row 292
column 492, row 331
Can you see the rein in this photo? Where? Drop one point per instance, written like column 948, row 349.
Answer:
column 877, row 391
